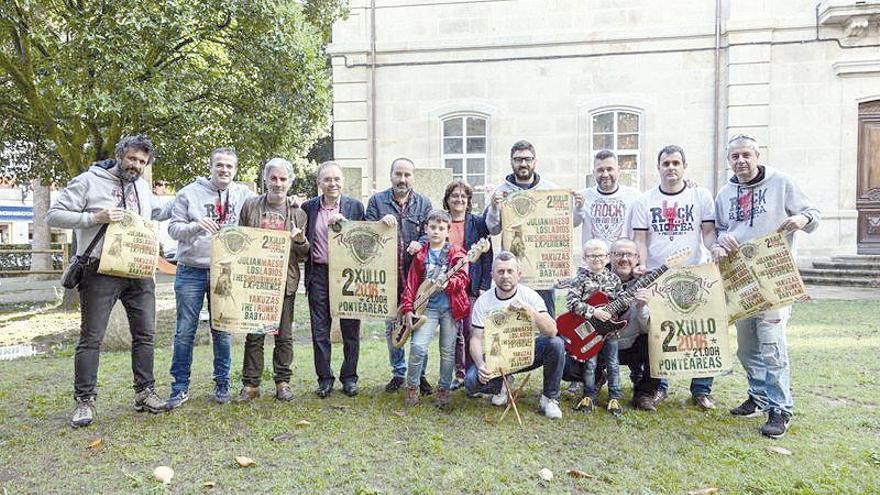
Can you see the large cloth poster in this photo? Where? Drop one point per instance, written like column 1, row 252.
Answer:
column 761, row 275
column 363, row 271
column 248, row 279
column 687, row 335
column 537, row 229
column 131, row 247
column 508, row 341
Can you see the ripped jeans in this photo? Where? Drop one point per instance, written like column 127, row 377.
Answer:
column 764, row 355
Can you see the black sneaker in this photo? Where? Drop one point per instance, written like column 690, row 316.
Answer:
column 394, row 385
column 425, row 388
column 777, row 424
column 748, row 409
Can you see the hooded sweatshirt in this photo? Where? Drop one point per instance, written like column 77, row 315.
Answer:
column 751, row 210
column 493, row 213
column 198, row 200
column 94, row 190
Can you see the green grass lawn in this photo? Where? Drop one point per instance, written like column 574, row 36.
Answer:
column 363, row 445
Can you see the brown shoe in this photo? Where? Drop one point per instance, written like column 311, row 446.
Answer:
column 282, row 391
column 704, row 402
column 443, row 401
column 412, row 396
column 644, row 403
column 248, row 393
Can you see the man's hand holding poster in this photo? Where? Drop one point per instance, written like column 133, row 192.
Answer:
column 508, row 341
column 248, row 279
column 688, row 326
column 537, row 229
column 131, row 247
column 363, row 271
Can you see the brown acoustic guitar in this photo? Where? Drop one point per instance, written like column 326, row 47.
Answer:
column 402, row 330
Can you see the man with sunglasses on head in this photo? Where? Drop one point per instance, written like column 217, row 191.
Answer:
column 523, row 163
column 400, row 206
column 757, row 201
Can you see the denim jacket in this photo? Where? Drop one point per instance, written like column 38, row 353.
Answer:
column 409, row 228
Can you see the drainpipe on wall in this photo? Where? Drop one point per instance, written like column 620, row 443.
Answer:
column 716, row 108
column 373, row 169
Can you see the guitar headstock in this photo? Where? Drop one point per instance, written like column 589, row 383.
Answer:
column 679, row 257
column 477, row 250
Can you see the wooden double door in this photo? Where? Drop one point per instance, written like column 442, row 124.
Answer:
column 868, row 199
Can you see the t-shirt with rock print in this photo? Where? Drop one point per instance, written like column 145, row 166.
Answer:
column 606, row 216
column 672, row 221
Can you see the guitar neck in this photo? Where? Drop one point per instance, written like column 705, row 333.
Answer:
column 623, row 300
column 440, row 281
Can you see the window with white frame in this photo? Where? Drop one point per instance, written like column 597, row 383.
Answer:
column 618, row 131
column 464, row 151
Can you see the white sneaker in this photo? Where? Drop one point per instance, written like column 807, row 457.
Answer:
column 550, row 408
column 500, row 399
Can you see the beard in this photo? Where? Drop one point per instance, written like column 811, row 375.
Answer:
column 130, row 174
column 402, row 188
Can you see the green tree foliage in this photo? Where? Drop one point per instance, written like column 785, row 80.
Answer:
column 75, row 75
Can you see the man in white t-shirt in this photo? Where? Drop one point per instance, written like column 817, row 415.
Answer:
column 670, row 217
column 603, row 211
column 549, row 348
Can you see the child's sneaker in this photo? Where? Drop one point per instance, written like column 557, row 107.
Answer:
column 585, row 405
column 614, row 408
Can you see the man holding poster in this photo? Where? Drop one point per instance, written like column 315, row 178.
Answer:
column 523, row 162
column 327, row 209
column 549, row 349
column 272, row 211
column 201, row 209
column 756, row 201
column 671, row 217
column 90, row 202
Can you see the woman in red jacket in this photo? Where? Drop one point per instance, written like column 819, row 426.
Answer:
column 443, row 308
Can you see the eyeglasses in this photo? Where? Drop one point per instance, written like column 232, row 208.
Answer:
column 624, row 255
column 595, row 257
column 519, row 160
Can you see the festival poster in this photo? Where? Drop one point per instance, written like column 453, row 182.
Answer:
column 508, row 341
column 537, row 229
column 363, row 271
column 432, row 183
column 688, row 327
column 131, row 247
column 248, row 279
column 761, row 275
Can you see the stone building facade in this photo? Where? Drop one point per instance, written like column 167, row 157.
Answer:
column 453, row 83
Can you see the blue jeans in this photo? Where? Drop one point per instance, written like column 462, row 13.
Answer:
column 397, row 357
column 699, row 386
column 418, row 348
column 190, row 287
column 609, row 354
column 764, row 355
column 549, row 353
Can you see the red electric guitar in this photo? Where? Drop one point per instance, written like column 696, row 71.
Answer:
column 584, row 338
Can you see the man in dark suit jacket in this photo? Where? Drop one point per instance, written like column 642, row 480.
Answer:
column 324, row 210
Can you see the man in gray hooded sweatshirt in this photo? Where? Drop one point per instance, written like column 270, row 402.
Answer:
column 201, row 209
column 92, row 199
column 757, row 201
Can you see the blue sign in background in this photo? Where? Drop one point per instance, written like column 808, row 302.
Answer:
column 16, row 213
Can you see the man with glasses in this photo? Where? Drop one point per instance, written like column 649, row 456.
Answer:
column 524, row 177
column 756, row 201
column 670, row 217
column 400, row 206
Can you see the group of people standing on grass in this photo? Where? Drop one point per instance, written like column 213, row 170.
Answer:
column 625, row 234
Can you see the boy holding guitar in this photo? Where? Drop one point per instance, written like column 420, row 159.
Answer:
column 447, row 302
column 593, row 277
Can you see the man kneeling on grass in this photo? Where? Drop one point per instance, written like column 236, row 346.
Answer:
column 444, row 308
column 549, row 348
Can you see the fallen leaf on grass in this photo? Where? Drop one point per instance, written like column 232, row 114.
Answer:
column 546, row 474
column 576, row 473
column 704, row 491
column 244, row 461
column 163, row 474
column 402, row 414
column 96, row 443
column 282, row 437
column 775, row 449
column 209, row 484
column 303, row 423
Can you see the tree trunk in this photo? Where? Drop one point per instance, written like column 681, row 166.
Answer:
column 40, row 262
